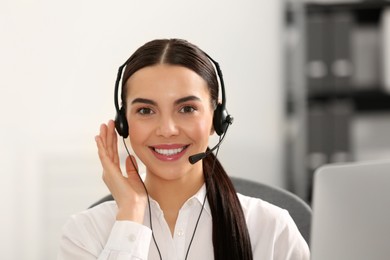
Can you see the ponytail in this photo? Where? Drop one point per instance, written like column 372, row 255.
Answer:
column 231, row 239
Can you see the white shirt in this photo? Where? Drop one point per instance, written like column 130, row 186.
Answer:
column 95, row 233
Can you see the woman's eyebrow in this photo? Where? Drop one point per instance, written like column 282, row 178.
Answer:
column 185, row 99
column 144, row 101
column 177, row 102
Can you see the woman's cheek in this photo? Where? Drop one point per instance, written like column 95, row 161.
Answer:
column 138, row 132
column 201, row 129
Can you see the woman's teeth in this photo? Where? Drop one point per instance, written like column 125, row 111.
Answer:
column 169, row 152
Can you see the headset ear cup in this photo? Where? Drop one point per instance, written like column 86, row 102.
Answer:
column 220, row 122
column 121, row 124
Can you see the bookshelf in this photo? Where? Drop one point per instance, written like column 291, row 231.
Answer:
column 344, row 73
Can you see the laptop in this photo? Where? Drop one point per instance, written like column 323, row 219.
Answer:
column 351, row 212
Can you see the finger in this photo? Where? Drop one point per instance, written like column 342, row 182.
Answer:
column 115, row 147
column 104, row 157
column 133, row 176
column 101, row 149
column 110, row 138
column 103, row 134
column 113, row 142
column 110, row 168
column 131, row 166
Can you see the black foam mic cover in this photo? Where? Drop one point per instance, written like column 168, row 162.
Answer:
column 197, row 157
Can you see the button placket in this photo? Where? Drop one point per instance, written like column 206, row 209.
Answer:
column 180, row 232
column 182, row 226
column 131, row 238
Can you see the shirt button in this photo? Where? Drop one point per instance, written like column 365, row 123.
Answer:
column 180, row 232
column 131, row 238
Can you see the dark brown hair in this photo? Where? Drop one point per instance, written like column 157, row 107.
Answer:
column 230, row 234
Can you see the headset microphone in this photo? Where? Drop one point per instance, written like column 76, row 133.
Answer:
column 200, row 156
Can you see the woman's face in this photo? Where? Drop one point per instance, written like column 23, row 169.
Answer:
column 170, row 118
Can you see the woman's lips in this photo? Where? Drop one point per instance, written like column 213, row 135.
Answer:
column 169, row 152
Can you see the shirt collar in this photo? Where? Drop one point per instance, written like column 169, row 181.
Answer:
column 197, row 197
column 200, row 196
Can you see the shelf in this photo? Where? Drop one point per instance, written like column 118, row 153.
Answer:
column 363, row 100
column 354, row 6
column 375, row 101
column 363, row 12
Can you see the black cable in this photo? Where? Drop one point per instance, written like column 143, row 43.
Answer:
column 204, row 201
column 150, row 211
column 147, row 195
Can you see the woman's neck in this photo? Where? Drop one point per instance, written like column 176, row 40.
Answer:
column 172, row 194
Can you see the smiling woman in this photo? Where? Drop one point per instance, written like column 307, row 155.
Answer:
column 183, row 209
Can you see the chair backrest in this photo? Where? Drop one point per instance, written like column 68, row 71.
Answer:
column 298, row 209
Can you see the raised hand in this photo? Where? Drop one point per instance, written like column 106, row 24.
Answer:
column 128, row 192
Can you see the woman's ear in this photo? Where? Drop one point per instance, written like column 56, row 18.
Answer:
column 212, row 131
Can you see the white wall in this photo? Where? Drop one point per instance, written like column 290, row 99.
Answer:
column 58, row 62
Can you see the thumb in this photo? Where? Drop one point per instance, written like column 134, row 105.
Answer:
column 131, row 166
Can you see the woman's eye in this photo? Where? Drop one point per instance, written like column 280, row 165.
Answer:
column 145, row 111
column 187, row 109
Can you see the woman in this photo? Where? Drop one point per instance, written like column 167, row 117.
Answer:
column 182, row 210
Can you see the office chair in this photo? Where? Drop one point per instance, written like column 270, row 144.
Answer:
column 298, row 209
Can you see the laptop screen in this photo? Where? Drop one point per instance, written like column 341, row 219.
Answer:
column 351, row 212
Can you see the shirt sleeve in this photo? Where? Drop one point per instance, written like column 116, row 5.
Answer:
column 126, row 240
column 274, row 234
column 289, row 243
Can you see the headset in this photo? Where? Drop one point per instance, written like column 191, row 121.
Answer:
column 221, row 118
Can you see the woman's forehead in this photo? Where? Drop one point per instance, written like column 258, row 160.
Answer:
column 166, row 78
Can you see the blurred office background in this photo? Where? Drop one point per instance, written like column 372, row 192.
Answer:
column 337, row 86
column 306, row 83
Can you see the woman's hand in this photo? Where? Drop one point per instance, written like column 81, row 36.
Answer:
column 128, row 192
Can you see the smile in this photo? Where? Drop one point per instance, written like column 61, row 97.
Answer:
column 167, row 153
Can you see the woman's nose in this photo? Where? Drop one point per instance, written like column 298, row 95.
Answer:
column 167, row 127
